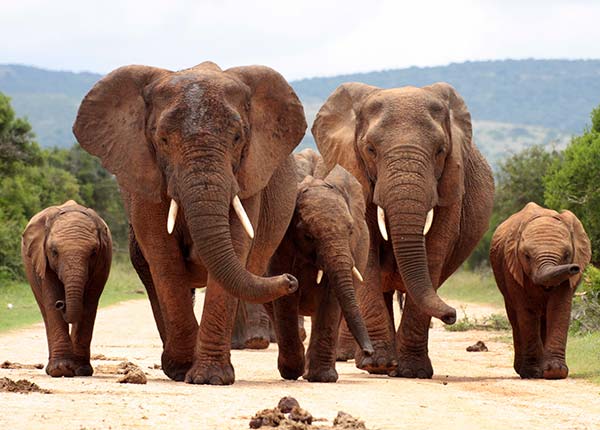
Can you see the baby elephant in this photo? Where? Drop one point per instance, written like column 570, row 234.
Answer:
column 325, row 248
column 67, row 253
column 538, row 256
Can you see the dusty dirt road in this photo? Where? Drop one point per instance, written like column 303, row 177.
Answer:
column 469, row 390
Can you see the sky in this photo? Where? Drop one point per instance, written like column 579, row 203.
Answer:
column 303, row 38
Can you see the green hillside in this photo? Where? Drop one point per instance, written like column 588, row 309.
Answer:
column 514, row 103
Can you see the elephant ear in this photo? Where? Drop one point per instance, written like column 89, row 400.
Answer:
column 451, row 185
column 104, row 236
column 110, row 124
column 582, row 248
column 33, row 241
column 334, row 129
column 350, row 188
column 277, row 125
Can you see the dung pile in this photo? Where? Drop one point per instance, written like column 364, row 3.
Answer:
column 131, row 372
column 478, row 347
column 21, row 386
column 288, row 415
column 12, row 365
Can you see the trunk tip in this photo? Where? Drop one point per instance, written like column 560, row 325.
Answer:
column 292, row 283
column 449, row 317
column 59, row 305
column 574, row 269
column 368, row 350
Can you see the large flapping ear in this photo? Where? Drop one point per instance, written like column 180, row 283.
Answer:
column 104, row 236
column 306, row 162
column 34, row 239
column 277, row 125
column 582, row 248
column 111, row 124
column 451, row 185
column 350, row 188
column 334, row 129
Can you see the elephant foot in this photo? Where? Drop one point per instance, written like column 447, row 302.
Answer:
column 530, row 372
column 413, row 366
column 58, row 367
column 257, row 342
column 174, row 368
column 345, row 350
column 555, row 369
column 291, row 369
column 321, row 375
column 211, row 373
column 381, row 362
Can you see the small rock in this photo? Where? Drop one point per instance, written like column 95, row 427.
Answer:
column 478, row 347
column 286, row 404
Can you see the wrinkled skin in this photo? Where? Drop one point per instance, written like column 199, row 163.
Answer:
column 328, row 232
column 67, row 251
column 200, row 137
column 412, row 151
column 538, row 256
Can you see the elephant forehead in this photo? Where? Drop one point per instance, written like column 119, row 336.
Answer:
column 546, row 230
column 321, row 207
column 73, row 225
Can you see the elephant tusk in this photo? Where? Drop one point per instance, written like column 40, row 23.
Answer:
column 172, row 216
column 319, row 276
column 381, row 222
column 428, row 222
column 357, row 274
column 243, row 216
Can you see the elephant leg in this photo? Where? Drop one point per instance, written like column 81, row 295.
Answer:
column 257, row 328
column 373, row 309
column 411, row 341
column 512, row 317
column 238, row 337
column 346, row 345
column 290, row 360
column 143, row 270
column 81, row 332
column 301, row 328
column 558, row 315
column 388, row 297
column 321, row 354
column 531, row 343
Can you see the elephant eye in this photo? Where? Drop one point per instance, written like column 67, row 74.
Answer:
column 371, row 149
column 54, row 251
column 440, row 151
column 527, row 256
column 567, row 255
column 308, row 237
column 237, row 137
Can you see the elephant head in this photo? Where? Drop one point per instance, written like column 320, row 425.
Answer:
column 546, row 246
column 202, row 138
column 408, row 148
column 66, row 240
column 330, row 230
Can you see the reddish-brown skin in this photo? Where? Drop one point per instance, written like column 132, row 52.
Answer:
column 411, row 149
column 67, row 251
column 538, row 256
column 199, row 136
column 328, row 232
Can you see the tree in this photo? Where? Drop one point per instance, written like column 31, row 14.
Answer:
column 519, row 180
column 573, row 182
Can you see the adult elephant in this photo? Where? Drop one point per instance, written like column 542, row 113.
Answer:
column 202, row 157
column 427, row 184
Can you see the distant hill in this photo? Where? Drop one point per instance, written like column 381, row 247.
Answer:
column 514, row 103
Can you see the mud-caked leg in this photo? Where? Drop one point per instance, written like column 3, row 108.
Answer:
column 411, row 343
column 558, row 314
column 321, row 354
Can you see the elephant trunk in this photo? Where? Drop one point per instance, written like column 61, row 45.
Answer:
column 406, row 214
column 72, row 308
column 339, row 269
column 206, row 202
column 550, row 275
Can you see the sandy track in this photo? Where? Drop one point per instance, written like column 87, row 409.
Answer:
column 469, row 390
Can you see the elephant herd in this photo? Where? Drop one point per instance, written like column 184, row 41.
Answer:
column 397, row 200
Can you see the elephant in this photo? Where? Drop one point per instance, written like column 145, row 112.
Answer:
column 67, row 253
column 424, row 182
column 203, row 160
column 538, row 256
column 325, row 248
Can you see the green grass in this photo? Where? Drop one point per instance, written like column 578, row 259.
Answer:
column 123, row 284
column 493, row 322
column 583, row 356
column 472, row 287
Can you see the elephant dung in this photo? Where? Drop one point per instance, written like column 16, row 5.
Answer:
column 346, row 421
column 478, row 347
column 287, row 403
column 21, row 386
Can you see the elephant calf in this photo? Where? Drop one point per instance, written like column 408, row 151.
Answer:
column 538, row 256
column 67, row 253
column 325, row 248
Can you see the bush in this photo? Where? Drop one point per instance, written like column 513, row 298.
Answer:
column 585, row 314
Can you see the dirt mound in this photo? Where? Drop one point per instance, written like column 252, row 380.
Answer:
column 10, row 365
column 300, row 419
column 103, row 357
column 21, row 386
column 478, row 347
column 132, row 373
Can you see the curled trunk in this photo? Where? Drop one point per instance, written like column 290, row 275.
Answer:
column 206, row 205
column 73, row 305
column 552, row 275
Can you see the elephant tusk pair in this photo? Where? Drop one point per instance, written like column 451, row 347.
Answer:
column 237, row 206
column 383, row 230
column 355, row 272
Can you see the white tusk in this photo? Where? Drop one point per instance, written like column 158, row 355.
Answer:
column 356, row 273
column 381, row 222
column 172, row 216
column 243, row 216
column 428, row 222
column 319, row 276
